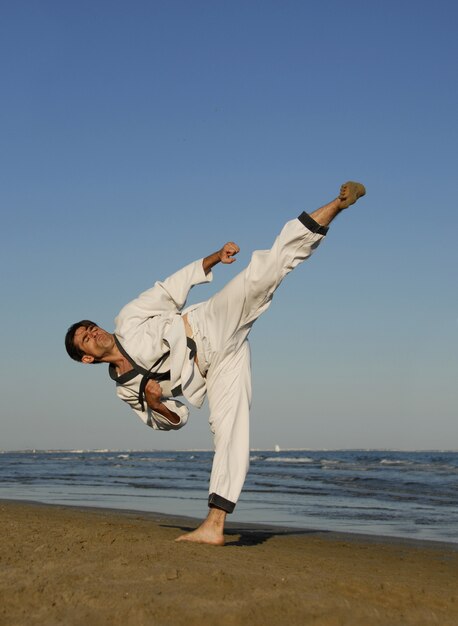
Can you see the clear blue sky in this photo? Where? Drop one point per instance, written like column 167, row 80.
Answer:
column 137, row 136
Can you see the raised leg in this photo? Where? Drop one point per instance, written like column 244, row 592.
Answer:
column 226, row 318
column 229, row 397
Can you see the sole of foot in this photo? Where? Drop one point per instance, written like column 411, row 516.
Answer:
column 350, row 192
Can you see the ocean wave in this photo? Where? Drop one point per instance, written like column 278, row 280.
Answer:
column 287, row 459
column 156, row 459
column 395, row 462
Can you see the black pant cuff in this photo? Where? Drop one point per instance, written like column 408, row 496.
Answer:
column 218, row 502
column 310, row 223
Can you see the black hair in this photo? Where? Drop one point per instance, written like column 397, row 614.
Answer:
column 73, row 352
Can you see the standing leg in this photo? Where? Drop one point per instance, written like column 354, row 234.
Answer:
column 229, row 396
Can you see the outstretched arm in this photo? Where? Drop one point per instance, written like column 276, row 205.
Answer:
column 171, row 294
column 225, row 255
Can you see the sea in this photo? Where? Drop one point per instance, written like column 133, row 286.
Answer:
column 375, row 492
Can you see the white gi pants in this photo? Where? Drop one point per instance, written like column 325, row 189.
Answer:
column 221, row 326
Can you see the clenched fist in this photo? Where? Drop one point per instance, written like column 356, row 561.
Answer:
column 228, row 251
column 153, row 393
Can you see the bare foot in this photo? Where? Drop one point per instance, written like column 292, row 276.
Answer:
column 349, row 193
column 203, row 535
column 211, row 531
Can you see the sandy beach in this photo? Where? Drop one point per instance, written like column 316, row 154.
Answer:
column 64, row 565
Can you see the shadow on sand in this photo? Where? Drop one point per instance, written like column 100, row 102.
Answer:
column 249, row 536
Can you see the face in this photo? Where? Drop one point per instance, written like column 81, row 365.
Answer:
column 94, row 342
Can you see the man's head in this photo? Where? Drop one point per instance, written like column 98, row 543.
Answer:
column 88, row 343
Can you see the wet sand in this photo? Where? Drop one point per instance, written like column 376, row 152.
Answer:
column 64, row 565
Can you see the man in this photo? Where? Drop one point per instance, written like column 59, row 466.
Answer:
column 159, row 351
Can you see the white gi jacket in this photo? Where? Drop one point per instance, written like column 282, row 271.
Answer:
column 148, row 328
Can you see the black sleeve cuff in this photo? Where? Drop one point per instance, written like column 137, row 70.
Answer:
column 310, row 223
column 218, row 502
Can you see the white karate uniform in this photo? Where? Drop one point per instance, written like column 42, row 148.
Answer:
column 150, row 325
